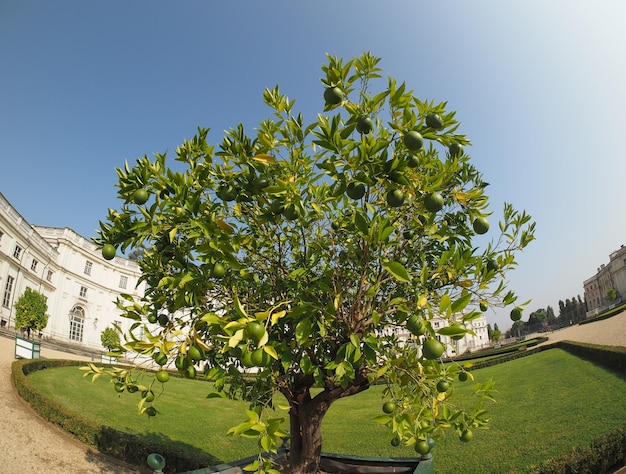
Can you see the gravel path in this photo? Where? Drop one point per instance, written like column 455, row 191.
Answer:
column 28, row 444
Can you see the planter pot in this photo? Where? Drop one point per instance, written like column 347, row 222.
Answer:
column 339, row 463
column 27, row 349
column 105, row 359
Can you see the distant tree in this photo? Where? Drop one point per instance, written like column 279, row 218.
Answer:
column 30, row 311
column 496, row 334
column 137, row 254
column 110, row 339
column 537, row 320
column 551, row 318
column 611, row 294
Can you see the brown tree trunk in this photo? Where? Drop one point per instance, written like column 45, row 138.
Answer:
column 305, row 419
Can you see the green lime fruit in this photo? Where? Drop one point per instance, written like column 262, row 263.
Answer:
column 484, row 306
column 432, row 349
column 290, row 212
column 218, row 270
column 467, row 436
column 492, row 265
column 148, row 395
column 364, row 124
column 132, row 388
column 277, row 205
column 260, row 358
column 181, row 362
column 195, row 353
column 480, row 225
column 443, row 386
column 333, row 95
column 389, row 407
column 162, row 376
column 140, row 197
column 163, row 319
column 416, row 326
column 119, row 387
column 399, row 177
column 190, row 372
column 260, row 183
column 413, row 161
column 463, row 376
column 355, row 190
column 516, row 314
column 434, row 121
column 422, row 447
column 160, row 358
column 395, row 198
column 255, row 331
column 455, row 150
column 227, row 193
column 108, row 251
column 151, row 411
column 395, row 441
column 433, row 202
column 413, row 140
column 246, row 360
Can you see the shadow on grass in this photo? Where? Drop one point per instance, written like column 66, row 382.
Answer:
column 134, row 449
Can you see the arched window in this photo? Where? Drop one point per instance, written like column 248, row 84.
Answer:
column 77, row 322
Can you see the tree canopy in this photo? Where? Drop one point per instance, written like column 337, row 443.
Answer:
column 30, row 311
column 300, row 251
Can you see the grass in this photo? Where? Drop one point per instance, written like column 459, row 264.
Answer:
column 547, row 404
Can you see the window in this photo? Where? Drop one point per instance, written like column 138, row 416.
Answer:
column 17, row 252
column 88, row 266
column 77, row 321
column 83, row 292
column 123, row 281
column 8, row 289
column 49, row 276
column 1, row 234
column 33, row 265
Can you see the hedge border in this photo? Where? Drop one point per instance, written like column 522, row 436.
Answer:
column 130, row 448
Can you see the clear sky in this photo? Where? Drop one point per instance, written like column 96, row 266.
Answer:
column 539, row 87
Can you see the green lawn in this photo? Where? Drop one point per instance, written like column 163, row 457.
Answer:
column 546, row 405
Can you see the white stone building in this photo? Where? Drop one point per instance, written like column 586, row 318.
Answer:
column 80, row 286
column 469, row 342
column 611, row 276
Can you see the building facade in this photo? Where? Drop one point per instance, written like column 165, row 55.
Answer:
column 79, row 285
column 468, row 343
column 607, row 287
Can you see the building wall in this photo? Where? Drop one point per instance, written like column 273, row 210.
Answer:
column 81, row 287
column 610, row 276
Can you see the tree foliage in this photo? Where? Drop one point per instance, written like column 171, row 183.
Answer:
column 30, row 311
column 110, row 339
column 300, row 251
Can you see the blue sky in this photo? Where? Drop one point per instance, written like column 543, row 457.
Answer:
column 538, row 87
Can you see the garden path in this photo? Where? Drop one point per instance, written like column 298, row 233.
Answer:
column 29, row 444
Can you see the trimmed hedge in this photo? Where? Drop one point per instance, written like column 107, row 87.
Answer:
column 131, row 448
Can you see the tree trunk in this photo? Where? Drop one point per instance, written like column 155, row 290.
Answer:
column 306, row 436
column 305, row 420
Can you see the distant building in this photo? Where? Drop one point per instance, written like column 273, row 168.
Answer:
column 468, row 343
column 610, row 280
column 79, row 285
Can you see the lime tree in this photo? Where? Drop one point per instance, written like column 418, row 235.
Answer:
column 296, row 252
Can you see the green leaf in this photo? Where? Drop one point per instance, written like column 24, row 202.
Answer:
column 398, row 271
column 361, row 222
column 303, row 331
column 460, row 304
